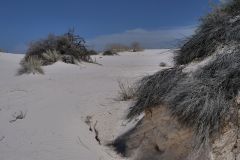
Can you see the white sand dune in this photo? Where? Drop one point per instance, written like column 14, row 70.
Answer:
column 56, row 106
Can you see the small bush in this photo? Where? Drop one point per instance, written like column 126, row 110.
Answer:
column 31, row 65
column 126, row 92
column 109, row 53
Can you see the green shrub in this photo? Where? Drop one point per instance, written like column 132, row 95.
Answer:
column 31, row 65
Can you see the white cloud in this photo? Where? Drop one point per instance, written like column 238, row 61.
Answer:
column 162, row 38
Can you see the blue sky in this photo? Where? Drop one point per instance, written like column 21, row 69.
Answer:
column 155, row 23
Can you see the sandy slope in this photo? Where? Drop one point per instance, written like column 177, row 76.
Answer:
column 56, row 106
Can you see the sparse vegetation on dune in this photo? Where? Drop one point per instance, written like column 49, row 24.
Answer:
column 202, row 100
column 69, row 48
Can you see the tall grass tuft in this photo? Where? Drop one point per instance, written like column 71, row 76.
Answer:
column 31, row 65
column 51, row 57
column 126, row 92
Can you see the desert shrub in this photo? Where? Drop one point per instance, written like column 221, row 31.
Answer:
column 31, row 65
column 136, row 47
column 126, row 92
column 162, row 64
column 66, row 44
column 109, row 53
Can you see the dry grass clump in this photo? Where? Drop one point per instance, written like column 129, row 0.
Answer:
column 127, row 92
column 30, row 65
column 153, row 89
